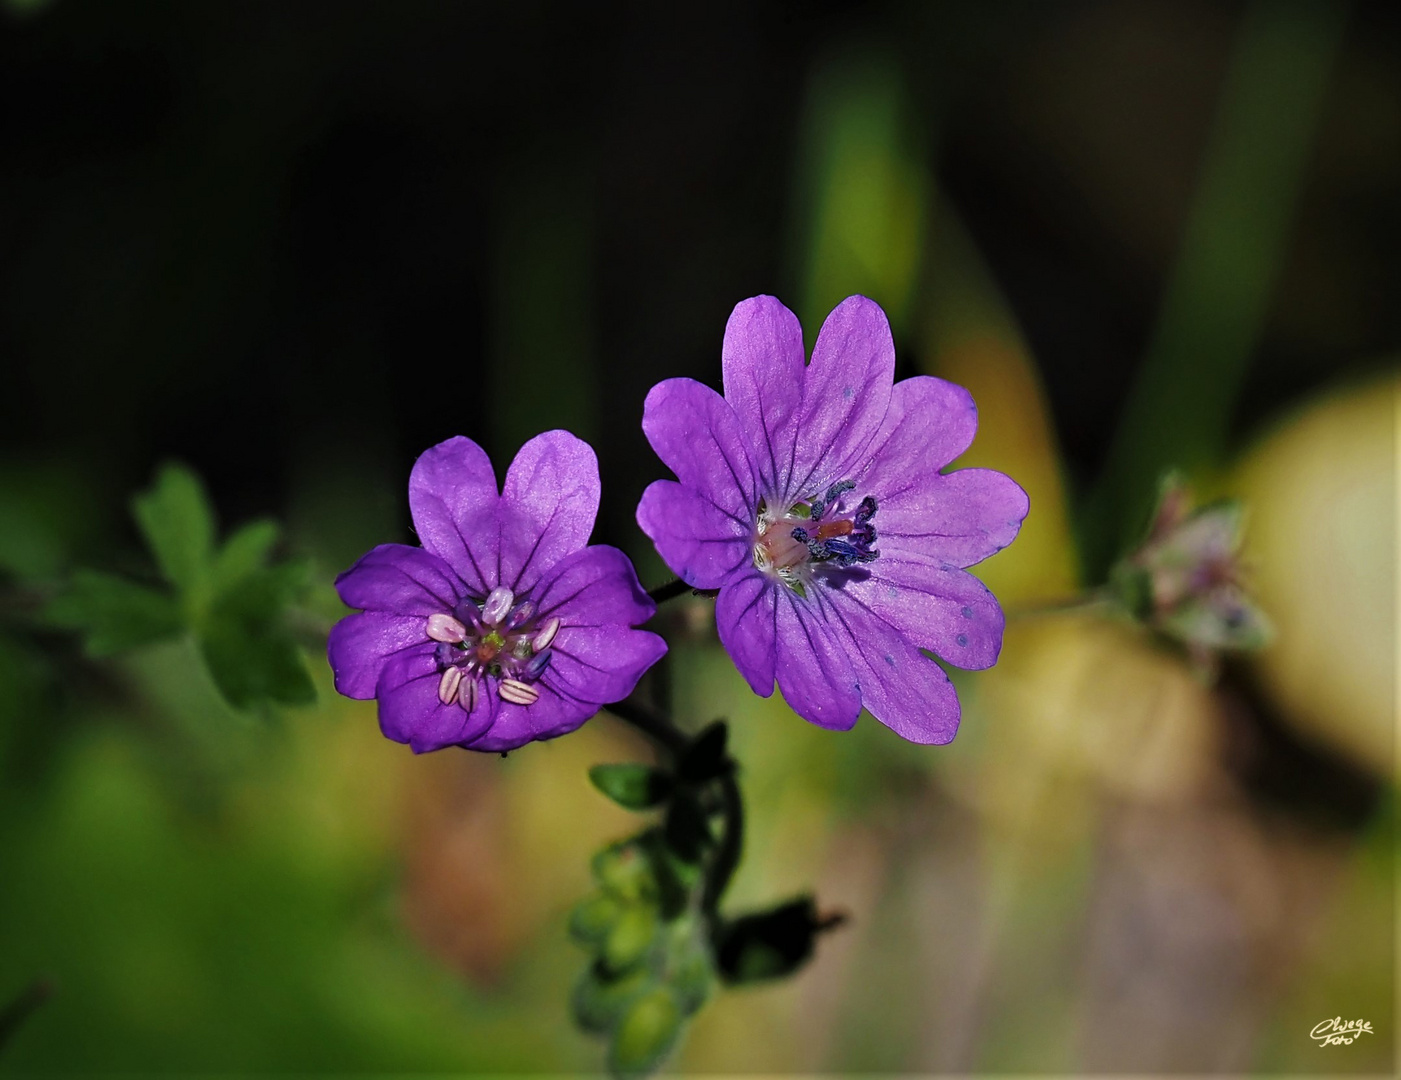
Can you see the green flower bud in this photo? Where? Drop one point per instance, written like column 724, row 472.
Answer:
column 645, row 1035
column 593, row 918
column 599, row 998
column 630, row 937
column 624, row 870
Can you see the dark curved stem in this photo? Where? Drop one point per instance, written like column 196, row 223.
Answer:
column 722, row 867
column 670, row 591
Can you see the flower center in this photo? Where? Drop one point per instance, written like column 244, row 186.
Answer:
column 789, row 542
column 496, row 642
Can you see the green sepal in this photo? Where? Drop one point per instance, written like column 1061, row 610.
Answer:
column 635, row 787
column 645, row 1034
column 767, row 944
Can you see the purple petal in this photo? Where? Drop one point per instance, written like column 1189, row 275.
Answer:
column 697, row 435
column 410, row 712
column 846, row 392
column 516, row 725
column 360, row 645
column 745, row 619
column 700, row 543
column 548, row 505
column 929, row 423
column 763, row 363
column 596, row 586
column 453, row 501
column 813, row 669
column 401, row 580
column 957, row 518
column 900, row 686
column 600, row 664
column 945, row 610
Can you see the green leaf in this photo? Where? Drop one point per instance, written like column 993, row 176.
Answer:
column 705, row 758
column 645, row 1034
column 636, row 787
column 113, row 614
column 252, row 663
column 243, row 553
column 178, row 523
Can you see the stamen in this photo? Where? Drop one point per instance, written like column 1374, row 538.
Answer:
column 517, row 692
column 467, row 694
column 520, row 614
column 498, row 603
column 446, row 628
column 537, row 665
column 544, row 637
column 448, row 685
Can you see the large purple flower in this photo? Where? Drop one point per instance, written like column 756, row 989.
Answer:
column 504, row 627
column 811, row 496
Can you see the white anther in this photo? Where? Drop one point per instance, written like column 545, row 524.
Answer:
column 518, row 693
column 542, row 640
column 467, row 694
column 498, row 605
column 448, row 684
column 446, row 628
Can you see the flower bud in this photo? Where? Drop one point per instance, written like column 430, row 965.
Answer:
column 645, row 1035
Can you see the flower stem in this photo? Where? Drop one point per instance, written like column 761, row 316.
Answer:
column 672, row 589
column 722, row 865
column 655, row 726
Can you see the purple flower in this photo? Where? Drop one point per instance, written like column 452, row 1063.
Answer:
column 504, row 627
column 811, row 497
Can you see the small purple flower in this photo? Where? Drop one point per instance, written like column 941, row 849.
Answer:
column 504, row 628
column 810, row 495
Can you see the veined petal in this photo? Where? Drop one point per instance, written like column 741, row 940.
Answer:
column 957, row 518
column 452, row 498
column 697, row 435
column 814, row 672
column 746, row 620
column 548, row 505
column 763, row 361
column 900, row 686
column 410, row 712
column 929, row 423
column 515, row 725
column 940, row 608
column 846, row 392
column 596, row 586
column 701, row 543
column 360, row 645
column 600, row 664
column 400, row 579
